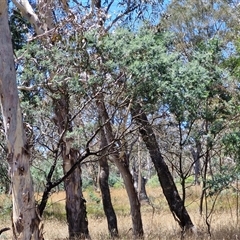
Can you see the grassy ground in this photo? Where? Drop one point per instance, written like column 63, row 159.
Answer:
column 158, row 222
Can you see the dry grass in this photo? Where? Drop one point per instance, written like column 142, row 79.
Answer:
column 158, row 224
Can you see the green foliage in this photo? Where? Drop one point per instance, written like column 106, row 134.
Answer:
column 39, row 173
column 93, row 197
column 153, row 181
column 190, row 180
column 4, row 178
column 192, row 83
column 114, row 180
column 19, row 28
column 87, row 183
column 201, row 22
column 119, row 184
column 221, row 180
column 231, row 142
column 144, row 58
column 94, row 206
column 6, row 206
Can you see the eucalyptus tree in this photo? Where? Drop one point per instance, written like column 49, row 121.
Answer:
column 75, row 203
column 198, row 21
column 145, row 69
column 192, row 96
column 121, row 160
column 201, row 99
column 198, row 24
column 58, row 81
column 145, row 65
column 55, row 129
column 26, row 221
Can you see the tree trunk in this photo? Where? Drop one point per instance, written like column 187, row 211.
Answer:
column 106, row 196
column 75, row 202
column 165, row 178
column 121, row 162
column 25, row 219
column 197, row 166
column 140, row 185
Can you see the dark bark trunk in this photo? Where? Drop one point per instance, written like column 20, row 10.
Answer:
column 165, row 178
column 121, row 162
column 197, row 165
column 106, row 196
column 75, row 202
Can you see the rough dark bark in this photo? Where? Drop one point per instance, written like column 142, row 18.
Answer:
column 197, row 166
column 121, row 162
column 106, row 196
column 165, row 178
column 75, row 202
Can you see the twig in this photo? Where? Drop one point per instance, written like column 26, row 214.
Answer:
column 4, row 230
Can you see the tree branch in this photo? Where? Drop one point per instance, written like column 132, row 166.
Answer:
column 4, row 230
column 27, row 12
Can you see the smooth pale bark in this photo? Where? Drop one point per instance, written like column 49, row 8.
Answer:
column 27, row 12
column 105, row 192
column 121, row 162
column 140, row 186
column 170, row 191
column 75, row 202
column 25, row 218
column 139, row 180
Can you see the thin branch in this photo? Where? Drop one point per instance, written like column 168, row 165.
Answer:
column 4, row 230
column 109, row 5
column 128, row 10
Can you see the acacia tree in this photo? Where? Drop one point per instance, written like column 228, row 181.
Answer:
column 25, row 218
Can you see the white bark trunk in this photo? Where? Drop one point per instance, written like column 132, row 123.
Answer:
column 25, row 218
column 27, row 12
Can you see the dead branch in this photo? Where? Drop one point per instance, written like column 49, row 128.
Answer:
column 4, row 230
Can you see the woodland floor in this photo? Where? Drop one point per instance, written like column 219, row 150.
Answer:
column 158, row 222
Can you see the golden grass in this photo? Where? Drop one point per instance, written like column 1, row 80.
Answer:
column 158, row 224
